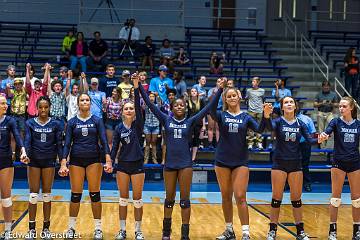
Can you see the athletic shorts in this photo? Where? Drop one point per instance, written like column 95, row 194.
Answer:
column 130, row 167
column 287, row 166
column 83, row 162
column 6, row 163
column 219, row 164
column 41, row 163
column 168, row 169
column 151, row 130
column 347, row 167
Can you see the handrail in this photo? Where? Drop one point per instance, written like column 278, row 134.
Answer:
column 290, row 25
column 338, row 83
column 314, row 55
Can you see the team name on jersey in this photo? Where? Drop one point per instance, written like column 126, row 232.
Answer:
column 89, row 125
column 125, row 134
column 289, row 129
column 43, row 130
column 172, row 125
column 231, row 120
column 347, row 130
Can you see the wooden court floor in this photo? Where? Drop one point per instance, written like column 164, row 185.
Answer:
column 206, row 221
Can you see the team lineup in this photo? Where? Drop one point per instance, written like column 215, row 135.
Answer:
column 84, row 152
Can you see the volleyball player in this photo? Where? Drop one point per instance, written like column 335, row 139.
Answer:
column 178, row 164
column 231, row 168
column 287, row 165
column 43, row 142
column 83, row 133
column 7, row 127
column 130, row 166
column 346, row 162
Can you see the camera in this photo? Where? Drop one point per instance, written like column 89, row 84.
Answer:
column 127, row 22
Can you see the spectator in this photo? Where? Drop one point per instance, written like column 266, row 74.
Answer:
column 167, row 54
column 98, row 98
column 109, row 81
column 71, row 96
column 129, row 36
column 125, row 85
column 159, row 85
column 147, row 52
column 98, row 50
column 151, row 131
column 216, row 63
column 113, row 108
column 325, row 101
column 255, row 98
column 79, row 52
column 200, row 87
column 278, row 93
column 180, row 85
column 351, row 63
column 194, row 105
column 63, row 75
column 142, row 78
column 9, row 82
column 58, row 102
column 32, row 76
column 40, row 89
column 181, row 57
column 66, row 45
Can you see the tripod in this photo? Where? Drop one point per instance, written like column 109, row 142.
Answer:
column 127, row 44
column 111, row 7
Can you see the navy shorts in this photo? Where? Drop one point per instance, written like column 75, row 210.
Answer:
column 287, row 166
column 168, row 169
column 84, row 162
column 130, row 167
column 151, row 130
column 110, row 124
column 347, row 167
column 219, row 164
column 6, row 163
column 42, row 163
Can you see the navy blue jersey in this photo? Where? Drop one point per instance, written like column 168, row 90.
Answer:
column 43, row 141
column 346, row 139
column 7, row 126
column 232, row 148
column 288, row 135
column 82, row 138
column 178, row 133
column 129, row 138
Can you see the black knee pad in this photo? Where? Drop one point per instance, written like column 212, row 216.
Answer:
column 76, row 197
column 169, row 203
column 184, row 203
column 95, row 196
column 296, row 204
column 275, row 203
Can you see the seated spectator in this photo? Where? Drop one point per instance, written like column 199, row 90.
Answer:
column 129, row 36
column 79, row 52
column 167, row 54
column 200, row 87
column 216, row 63
column 109, row 81
column 125, row 85
column 98, row 50
column 351, row 63
column 66, row 45
column 147, row 52
column 181, row 57
column 279, row 92
column 159, row 85
column 180, row 85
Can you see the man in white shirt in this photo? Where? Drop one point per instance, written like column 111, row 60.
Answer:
column 129, row 36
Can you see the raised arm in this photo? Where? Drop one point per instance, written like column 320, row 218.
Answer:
column 27, row 79
column 68, row 83
column 265, row 121
column 139, row 117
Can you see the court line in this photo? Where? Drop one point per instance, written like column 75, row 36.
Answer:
column 280, row 224
column 19, row 219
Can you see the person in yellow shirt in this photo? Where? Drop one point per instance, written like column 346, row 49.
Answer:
column 125, row 85
column 66, row 45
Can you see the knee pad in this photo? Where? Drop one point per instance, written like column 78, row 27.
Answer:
column 46, row 197
column 6, row 202
column 33, row 198
column 275, row 203
column 95, row 196
column 123, row 202
column 356, row 203
column 335, row 202
column 169, row 203
column 296, row 204
column 76, row 197
column 138, row 203
column 184, row 203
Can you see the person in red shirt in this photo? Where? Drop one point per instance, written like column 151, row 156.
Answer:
column 351, row 64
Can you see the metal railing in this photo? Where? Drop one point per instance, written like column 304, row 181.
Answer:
column 339, row 87
column 290, row 26
column 318, row 62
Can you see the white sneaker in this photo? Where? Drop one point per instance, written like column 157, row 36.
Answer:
column 121, row 235
column 98, row 234
column 302, row 236
column 70, row 234
column 245, row 236
column 6, row 235
column 332, row 236
column 139, row 236
column 271, row 235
